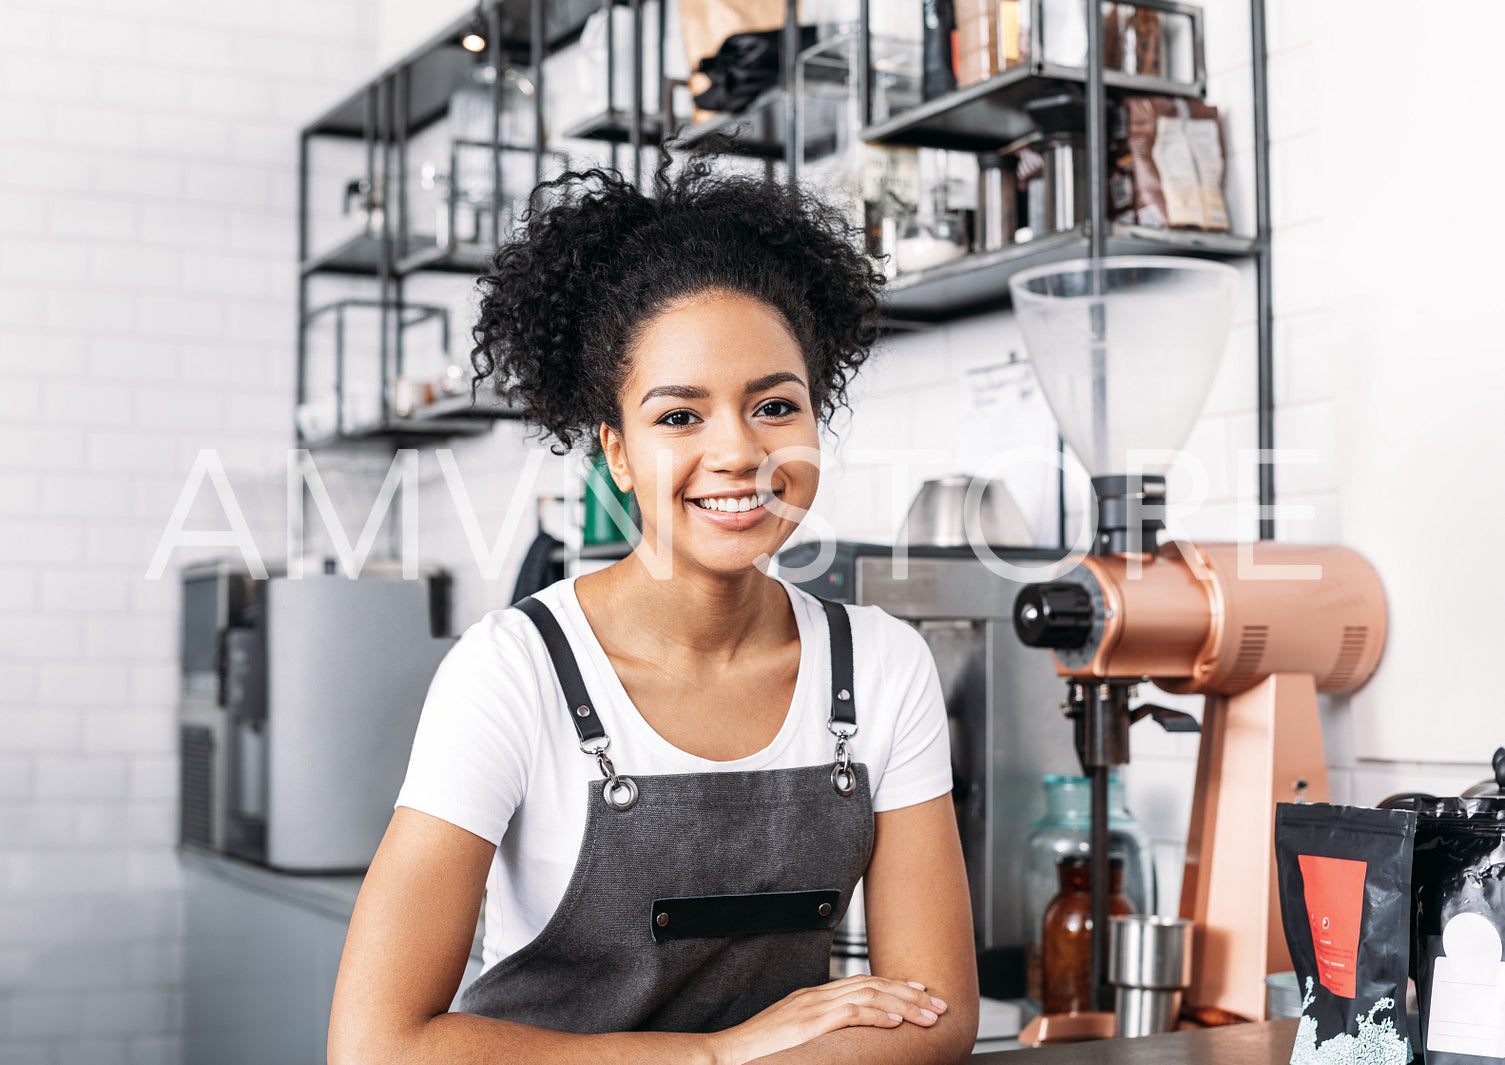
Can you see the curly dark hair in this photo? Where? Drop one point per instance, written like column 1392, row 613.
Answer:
column 562, row 305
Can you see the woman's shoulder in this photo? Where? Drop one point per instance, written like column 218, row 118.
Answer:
column 508, row 631
column 500, row 650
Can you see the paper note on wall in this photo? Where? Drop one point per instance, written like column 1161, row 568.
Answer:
column 1005, row 431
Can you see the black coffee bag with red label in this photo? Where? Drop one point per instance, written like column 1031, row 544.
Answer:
column 1345, row 902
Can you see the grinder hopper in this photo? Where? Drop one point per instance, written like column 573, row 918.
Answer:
column 1125, row 350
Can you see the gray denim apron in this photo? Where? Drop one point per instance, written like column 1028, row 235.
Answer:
column 698, row 899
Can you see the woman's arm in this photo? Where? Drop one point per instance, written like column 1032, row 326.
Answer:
column 405, row 955
column 919, row 927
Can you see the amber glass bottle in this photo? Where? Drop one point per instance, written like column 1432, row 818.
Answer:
column 1066, row 938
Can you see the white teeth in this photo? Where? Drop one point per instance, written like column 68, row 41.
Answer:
column 735, row 506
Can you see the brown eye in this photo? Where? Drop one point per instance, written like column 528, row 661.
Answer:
column 777, row 408
column 676, row 418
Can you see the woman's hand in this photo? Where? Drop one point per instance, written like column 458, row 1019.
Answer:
column 856, row 1001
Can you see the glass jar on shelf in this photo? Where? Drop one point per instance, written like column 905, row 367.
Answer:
column 930, row 238
column 1065, row 831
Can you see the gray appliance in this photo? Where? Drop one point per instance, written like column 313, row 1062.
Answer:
column 1003, row 705
column 298, row 707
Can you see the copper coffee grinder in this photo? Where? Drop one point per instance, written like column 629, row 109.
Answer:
column 1125, row 351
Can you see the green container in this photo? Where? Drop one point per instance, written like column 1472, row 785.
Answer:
column 603, row 499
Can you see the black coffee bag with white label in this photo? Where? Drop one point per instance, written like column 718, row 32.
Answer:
column 1458, row 952
column 1345, row 888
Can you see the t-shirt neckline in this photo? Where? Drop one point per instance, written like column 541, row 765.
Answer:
column 645, row 733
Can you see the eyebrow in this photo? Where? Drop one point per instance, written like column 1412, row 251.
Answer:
column 759, row 384
column 676, row 392
column 767, row 381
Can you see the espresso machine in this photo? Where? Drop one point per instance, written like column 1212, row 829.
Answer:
column 1125, row 350
column 298, row 705
column 1001, row 699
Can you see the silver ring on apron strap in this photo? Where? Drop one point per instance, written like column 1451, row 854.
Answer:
column 612, row 790
column 843, row 780
column 843, row 720
column 842, row 777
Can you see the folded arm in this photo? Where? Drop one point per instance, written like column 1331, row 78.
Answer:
column 919, row 927
column 405, row 955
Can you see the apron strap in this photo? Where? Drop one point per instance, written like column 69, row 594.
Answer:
column 843, row 722
column 843, row 705
column 621, row 793
column 582, row 712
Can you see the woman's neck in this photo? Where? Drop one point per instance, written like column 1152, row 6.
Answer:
column 695, row 612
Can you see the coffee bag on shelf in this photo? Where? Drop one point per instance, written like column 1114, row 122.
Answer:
column 1177, row 163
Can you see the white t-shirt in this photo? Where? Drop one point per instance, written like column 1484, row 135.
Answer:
column 496, row 752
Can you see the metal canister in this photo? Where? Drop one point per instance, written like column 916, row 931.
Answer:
column 1149, row 964
column 1058, row 197
column 996, row 196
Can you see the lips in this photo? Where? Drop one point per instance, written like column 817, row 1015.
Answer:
column 733, row 504
column 732, row 512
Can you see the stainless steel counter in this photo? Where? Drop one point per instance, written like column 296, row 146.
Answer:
column 1267, row 1043
column 333, row 896
column 329, row 896
column 261, row 953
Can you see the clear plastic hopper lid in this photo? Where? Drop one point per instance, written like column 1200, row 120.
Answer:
column 1125, row 350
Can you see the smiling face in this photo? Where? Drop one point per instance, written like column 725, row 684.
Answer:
column 717, row 387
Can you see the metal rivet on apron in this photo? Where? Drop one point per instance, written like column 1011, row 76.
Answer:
column 843, row 695
column 825, row 909
column 582, row 711
column 662, row 920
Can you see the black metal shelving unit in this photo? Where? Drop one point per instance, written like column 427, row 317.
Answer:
column 762, row 130
column 990, row 114
column 383, row 116
column 414, row 93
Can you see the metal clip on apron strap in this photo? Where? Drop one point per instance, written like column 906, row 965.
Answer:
column 619, row 792
column 843, row 723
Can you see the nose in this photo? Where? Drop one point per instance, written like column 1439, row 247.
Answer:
column 733, row 447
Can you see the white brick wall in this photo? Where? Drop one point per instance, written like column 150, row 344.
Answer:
column 147, row 246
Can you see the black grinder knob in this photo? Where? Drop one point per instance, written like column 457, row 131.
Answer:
column 1056, row 615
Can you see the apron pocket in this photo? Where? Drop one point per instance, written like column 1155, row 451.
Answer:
column 714, row 916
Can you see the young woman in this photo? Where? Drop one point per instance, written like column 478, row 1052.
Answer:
column 669, row 775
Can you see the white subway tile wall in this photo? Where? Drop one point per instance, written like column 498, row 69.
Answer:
column 147, row 301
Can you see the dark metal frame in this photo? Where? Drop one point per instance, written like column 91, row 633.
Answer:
column 1263, row 266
